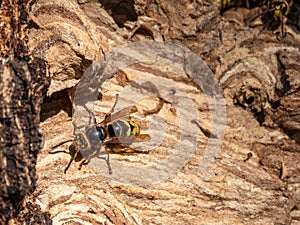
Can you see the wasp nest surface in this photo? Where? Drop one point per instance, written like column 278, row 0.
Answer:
column 236, row 162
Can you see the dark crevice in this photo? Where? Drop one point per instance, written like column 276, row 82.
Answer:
column 55, row 103
column 283, row 84
column 143, row 32
column 82, row 67
column 275, row 104
column 249, row 100
column 260, row 116
column 120, row 11
column 293, row 134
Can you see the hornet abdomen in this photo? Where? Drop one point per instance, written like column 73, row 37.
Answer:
column 123, row 128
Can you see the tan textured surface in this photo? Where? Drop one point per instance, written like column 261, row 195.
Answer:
column 251, row 66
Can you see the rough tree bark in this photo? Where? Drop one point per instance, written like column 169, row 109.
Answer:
column 22, row 80
column 255, row 177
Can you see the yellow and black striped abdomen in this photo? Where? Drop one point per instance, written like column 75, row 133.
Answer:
column 123, row 128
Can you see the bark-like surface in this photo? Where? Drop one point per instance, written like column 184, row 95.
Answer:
column 254, row 178
column 22, row 81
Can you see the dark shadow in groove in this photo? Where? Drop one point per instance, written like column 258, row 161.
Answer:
column 120, row 10
column 55, row 103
